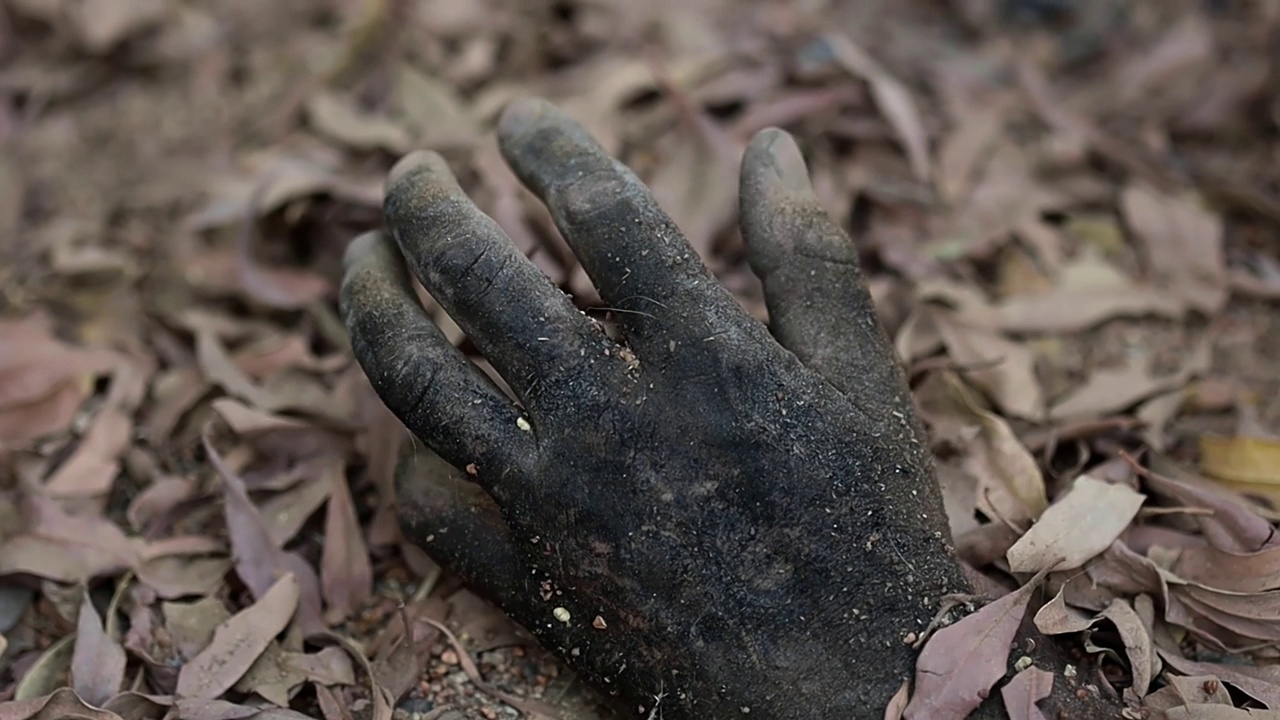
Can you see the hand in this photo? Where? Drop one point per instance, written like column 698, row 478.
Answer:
column 701, row 515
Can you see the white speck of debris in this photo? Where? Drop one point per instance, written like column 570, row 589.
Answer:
column 1069, row 671
column 561, row 614
column 1023, row 663
column 524, row 424
column 745, row 710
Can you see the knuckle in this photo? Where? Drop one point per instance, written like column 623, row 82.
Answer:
column 596, row 197
column 474, row 266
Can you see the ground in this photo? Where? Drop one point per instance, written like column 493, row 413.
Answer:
column 1068, row 218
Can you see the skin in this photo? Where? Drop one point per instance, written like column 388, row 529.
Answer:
column 708, row 515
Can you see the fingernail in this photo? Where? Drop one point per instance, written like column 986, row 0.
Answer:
column 520, row 114
column 788, row 163
column 359, row 248
column 408, row 164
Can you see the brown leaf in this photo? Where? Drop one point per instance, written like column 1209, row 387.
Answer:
column 159, row 498
column 48, row 672
column 695, row 184
column 1003, row 369
column 892, row 98
column 286, row 513
column 1136, row 634
column 43, row 380
column 98, row 662
column 339, row 119
column 1024, row 690
column 345, row 571
column 260, row 561
column 1182, row 241
column 64, row 547
column 1076, row 527
column 1088, row 291
column 191, row 624
column 92, row 468
column 432, row 109
column 278, row 673
column 962, row 661
column 238, row 642
column 1260, row 682
column 62, row 704
column 102, row 24
column 1233, row 526
column 1230, row 571
column 1010, row 486
column 177, row 576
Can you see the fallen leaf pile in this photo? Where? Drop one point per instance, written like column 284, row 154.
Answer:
column 1068, row 218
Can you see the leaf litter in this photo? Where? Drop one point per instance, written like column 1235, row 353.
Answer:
column 1068, row 227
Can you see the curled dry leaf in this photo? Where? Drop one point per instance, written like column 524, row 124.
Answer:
column 49, row 672
column 1077, row 527
column 1010, row 485
column 238, row 642
column 1234, row 525
column 1260, row 682
column 962, row 661
column 1144, row 664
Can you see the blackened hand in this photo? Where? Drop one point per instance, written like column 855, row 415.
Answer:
column 734, row 520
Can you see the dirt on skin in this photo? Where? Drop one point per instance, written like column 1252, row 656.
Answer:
column 178, row 183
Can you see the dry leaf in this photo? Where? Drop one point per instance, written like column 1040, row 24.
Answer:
column 1241, row 459
column 1218, row 712
column 278, row 673
column 1024, row 690
column 286, row 513
column 260, row 562
column 1233, row 526
column 1076, row 527
column 49, row 672
column 892, row 98
column 1010, row 486
column 340, row 120
column 191, row 624
column 64, row 547
column 345, row 571
column 102, row 24
column 962, row 661
column 1001, row 368
column 695, row 183
column 1260, row 682
column 62, row 704
column 1143, row 661
column 98, row 662
column 238, row 642
column 1182, row 241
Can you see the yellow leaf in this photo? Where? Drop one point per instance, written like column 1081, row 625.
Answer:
column 1241, row 459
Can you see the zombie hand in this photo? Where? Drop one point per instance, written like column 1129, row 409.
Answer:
column 702, row 515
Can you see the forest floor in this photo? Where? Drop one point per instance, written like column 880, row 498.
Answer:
column 1070, row 220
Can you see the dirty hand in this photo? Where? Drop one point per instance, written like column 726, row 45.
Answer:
column 701, row 516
